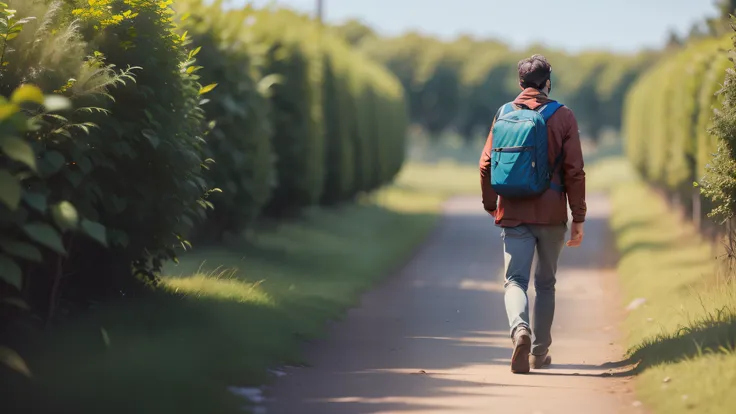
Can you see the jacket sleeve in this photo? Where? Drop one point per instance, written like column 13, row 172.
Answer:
column 489, row 196
column 573, row 170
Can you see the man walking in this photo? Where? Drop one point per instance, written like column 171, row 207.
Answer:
column 531, row 165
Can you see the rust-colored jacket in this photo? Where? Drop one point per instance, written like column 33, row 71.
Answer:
column 550, row 207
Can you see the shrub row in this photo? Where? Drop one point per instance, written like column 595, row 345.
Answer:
column 334, row 124
column 458, row 85
column 668, row 117
column 156, row 149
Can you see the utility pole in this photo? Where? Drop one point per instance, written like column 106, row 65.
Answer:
column 320, row 11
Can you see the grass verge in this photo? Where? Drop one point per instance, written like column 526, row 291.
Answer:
column 226, row 314
column 685, row 331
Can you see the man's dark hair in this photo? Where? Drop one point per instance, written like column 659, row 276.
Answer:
column 534, row 72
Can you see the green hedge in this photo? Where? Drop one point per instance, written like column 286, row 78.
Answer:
column 240, row 138
column 294, row 53
column 127, row 157
column 183, row 124
column 668, row 115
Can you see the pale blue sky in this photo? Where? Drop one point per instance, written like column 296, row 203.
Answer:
column 622, row 25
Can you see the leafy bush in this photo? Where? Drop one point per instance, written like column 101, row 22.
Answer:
column 339, row 117
column 127, row 158
column 671, row 133
column 139, row 159
column 56, row 149
column 720, row 181
column 329, row 113
column 31, row 225
column 293, row 53
column 157, row 126
column 240, row 140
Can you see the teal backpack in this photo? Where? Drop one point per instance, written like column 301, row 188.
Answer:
column 519, row 163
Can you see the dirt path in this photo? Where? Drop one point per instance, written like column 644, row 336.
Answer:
column 434, row 339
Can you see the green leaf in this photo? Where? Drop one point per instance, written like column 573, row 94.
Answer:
column 119, row 203
column 27, row 93
column 193, row 69
column 17, row 302
column 10, row 190
column 46, row 235
column 267, row 82
column 55, row 159
column 7, row 110
column 56, row 103
column 10, row 272
column 36, row 200
column 12, row 360
column 95, row 230
column 21, row 250
column 105, row 337
column 208, row 88
column 65, row 216
column 18, row 150
column 75, row 178
column 119, row 238
column 85, row 165
column 152, row 137
column 188, row 221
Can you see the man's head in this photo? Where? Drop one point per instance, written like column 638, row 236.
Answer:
column 535, row 72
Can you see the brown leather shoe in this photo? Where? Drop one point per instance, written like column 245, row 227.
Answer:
column 540, row 361
column 522, row 348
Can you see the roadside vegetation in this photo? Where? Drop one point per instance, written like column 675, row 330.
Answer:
column 225, row 315
column 681, row 326
column 188, row 192
column 134, row 133
column 673, row 216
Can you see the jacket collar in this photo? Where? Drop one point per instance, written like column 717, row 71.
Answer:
column 532, row 98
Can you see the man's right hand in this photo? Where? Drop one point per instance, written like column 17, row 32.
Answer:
column 576, row 235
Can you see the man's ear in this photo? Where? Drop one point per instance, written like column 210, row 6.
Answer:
column 521, row 86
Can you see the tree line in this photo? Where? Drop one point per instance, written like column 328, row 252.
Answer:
column 458, row 85
column 130, row 127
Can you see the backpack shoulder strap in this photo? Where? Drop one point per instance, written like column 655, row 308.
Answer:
column 549, row 109
column 505, row 109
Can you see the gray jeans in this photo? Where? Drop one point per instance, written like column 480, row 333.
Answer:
column 520, row 243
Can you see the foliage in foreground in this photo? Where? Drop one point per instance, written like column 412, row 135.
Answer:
column 226, row 314
column 720, row 182
column 156, row 149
